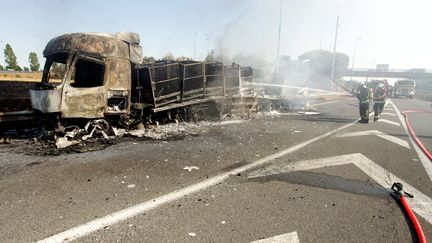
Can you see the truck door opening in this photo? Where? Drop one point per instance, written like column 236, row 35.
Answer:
column 87, row 74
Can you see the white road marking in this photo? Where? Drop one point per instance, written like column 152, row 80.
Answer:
column 387, row 137
column 388, row 114
column 97, row 224
column 389, row 122
column 330, row 102
column 285, row 238
column 325, row 103
column 421, row 203
column 231, row 122
column 424, row 160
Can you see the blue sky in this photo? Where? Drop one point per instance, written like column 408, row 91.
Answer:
column 395, row 32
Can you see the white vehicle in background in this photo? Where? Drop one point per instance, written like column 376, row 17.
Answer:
column 404, row 88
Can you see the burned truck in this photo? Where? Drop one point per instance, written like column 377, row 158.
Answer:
column 99, row 76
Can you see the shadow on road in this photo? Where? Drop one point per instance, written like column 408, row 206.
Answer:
column 325, row 181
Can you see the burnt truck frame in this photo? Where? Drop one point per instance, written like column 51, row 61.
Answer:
column 101, row 76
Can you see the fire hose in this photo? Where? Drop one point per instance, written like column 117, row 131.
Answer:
column 400, row 194
column 414, row 135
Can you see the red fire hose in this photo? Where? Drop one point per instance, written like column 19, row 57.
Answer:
column 413, row 134
column 400, row 194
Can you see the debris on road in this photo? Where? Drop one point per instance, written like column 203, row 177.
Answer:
column 190, row 168
column 63, row 142
column 192, row 234
column 131, row 185
column 6, row 140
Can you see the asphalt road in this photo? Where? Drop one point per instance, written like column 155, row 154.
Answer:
column 321, row 177
column 420, row 118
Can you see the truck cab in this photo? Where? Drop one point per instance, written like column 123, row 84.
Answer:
column 87, row 75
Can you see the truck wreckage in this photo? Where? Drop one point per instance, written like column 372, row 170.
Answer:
column 93, row 83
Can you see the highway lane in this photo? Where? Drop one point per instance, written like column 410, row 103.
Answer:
column 333, row 203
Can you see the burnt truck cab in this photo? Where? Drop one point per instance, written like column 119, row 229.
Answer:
column 87, row 75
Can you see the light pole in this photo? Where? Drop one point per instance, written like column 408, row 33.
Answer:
column 195, row 46
column 1, row 51
column 279, row 34
column 353, row 57
column 334, row 50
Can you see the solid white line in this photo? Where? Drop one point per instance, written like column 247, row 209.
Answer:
column 389, row 122
column 285, row 238
column 424, row 160
column 421, row 203
column 388, row 114
column 94, row 225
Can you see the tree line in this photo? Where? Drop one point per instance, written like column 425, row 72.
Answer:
column 12, row 64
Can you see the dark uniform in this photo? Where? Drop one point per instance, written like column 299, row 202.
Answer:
column 379, row 97
column 363, row 96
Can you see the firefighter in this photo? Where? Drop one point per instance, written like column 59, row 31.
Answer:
column 363, row 95
column 379, row 97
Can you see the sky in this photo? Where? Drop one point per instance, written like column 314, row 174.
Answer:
column 394, row 32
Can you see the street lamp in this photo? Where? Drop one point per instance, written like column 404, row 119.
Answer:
column 195, row 46
column 354, row 53
column 1, row 51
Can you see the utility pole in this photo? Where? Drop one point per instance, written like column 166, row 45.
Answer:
column 334, row 50
column 2, row 51
column 279, row 35
column 195, row 45
column 353, row 57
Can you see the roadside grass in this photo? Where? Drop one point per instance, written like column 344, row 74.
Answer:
column 21, row 76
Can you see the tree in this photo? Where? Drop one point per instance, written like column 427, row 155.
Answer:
column 148, row 59
column 321, row 61
column 168, row 57
column 34, row 62
column 320, row 64
column 210, row 56
column 10, row 59
column 183, row 58
column 1, row 67
column 26, row 69
column 57, row 70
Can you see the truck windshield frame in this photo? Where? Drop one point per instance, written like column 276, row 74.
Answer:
column 56, row 68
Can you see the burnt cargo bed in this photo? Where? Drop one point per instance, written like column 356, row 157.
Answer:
column 192, row 80
column 232, row 79
column 214, row 79
column 156, row 85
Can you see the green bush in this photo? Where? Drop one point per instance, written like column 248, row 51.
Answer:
column 17, row 76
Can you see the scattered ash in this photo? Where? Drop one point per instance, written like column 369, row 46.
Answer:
column 165, row 132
